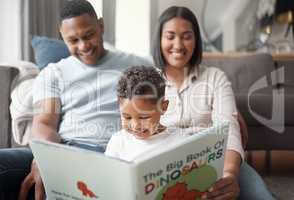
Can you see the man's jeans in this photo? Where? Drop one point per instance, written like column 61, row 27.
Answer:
column 15, row 164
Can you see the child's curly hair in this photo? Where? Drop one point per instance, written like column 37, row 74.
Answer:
column 144, row 81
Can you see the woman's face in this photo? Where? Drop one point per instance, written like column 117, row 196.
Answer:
column 177, row 42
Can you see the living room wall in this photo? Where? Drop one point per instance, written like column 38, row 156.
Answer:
column 10, row 30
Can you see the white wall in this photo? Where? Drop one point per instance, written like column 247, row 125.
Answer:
column 97, row 4
column 195, row 6
column 10, row 30
column 135, row 21
column 133, row 26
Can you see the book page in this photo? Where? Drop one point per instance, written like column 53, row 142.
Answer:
column 191, row 166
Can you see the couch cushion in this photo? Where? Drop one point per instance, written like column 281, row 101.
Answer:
column 286, row 78
column 254, row 82
column 288, row 71
column 48, row 50
column 289, row 107
column 254, row 105
column 265, row 138
column 243, row 71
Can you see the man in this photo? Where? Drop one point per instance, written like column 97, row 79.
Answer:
column 74, row 100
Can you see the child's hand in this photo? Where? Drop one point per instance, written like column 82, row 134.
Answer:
column 227, row 188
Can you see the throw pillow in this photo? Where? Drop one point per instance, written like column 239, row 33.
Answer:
column 48, row 50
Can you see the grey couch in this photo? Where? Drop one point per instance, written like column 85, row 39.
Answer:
column 244, row 71
column 7, row 74
column 263, row 87
column 248, row 73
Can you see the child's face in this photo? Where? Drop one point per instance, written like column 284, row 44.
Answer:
column 141, row 117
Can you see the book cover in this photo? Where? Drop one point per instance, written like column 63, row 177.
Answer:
column 186, row 170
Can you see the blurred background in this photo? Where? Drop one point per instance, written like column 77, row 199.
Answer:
column 227, row 25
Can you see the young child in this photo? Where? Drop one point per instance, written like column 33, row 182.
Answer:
column 141, row 100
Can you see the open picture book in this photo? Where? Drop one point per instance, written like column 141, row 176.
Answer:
column 188, row 168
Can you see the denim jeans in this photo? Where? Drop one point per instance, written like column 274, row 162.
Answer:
column 252, row 186
column 15, row 164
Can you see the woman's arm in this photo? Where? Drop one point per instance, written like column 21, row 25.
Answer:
column 224, row 109
column 232, row 162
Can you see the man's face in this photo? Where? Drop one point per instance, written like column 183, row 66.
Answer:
column 83, row 37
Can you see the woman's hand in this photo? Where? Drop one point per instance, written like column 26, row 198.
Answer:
column 227, row 188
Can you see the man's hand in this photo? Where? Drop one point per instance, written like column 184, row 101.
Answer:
column 33, row 178
column 44, row 127
column 227, row 188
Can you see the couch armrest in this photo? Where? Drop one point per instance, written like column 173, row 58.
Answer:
column 6, row 76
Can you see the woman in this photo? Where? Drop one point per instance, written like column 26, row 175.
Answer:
column 200, row 96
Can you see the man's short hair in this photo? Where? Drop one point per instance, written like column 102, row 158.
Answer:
column 76, row 8
column 141, row 81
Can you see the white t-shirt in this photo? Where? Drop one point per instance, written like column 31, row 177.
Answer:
column 125, row 146
column 89, row 108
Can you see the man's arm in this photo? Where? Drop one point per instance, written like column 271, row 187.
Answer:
column 46, row 120
column 44, row 127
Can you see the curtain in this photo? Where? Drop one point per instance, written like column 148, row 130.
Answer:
column 38, row 17
column 109, row 12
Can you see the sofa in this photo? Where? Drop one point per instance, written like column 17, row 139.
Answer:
column 264, row 91
column 263, row 85
column 7, row 75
